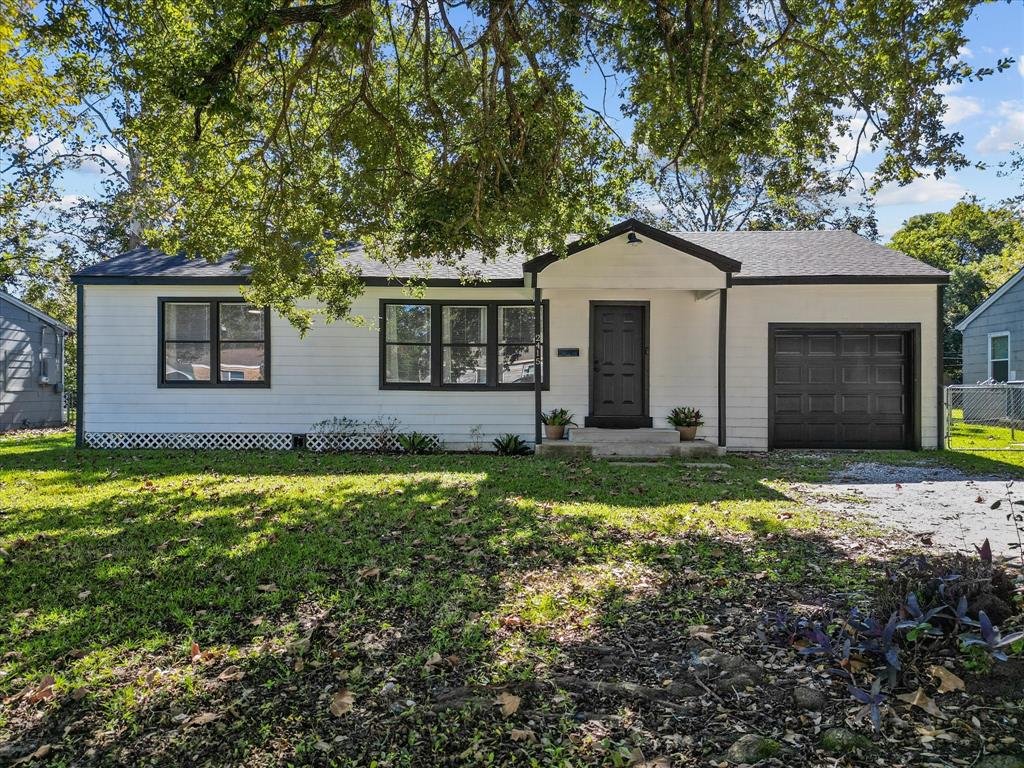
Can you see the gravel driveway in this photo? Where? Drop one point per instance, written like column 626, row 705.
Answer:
column 937, row 505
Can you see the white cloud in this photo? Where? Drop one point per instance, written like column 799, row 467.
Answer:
column 1020, row 64
column 1006, row 134
column 113, row 157
column 965, row 52
column 960, row 108
column 924, row 190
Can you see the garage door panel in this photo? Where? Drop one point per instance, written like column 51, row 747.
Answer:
column 889, row 374
column 891, row 405
column 821, row 374
column 841, row 389
column 856, row 404
column 890, row 344
column 821, row 345
column 821, row 403
column 788, row 374
column 855, row 344
column 856, row 374
column 788, row 404
column 789, row 344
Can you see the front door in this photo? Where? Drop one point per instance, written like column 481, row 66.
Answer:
column 618, row 346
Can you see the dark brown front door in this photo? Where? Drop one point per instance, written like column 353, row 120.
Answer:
column 618, row 390
column 848, row 388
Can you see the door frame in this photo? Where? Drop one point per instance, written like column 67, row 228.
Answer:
column 913, row 331
column 620, row 422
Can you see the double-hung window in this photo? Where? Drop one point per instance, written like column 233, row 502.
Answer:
column 999, row 356
column 214, row 343
column 459, row 344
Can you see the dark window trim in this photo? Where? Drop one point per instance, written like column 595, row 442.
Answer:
column 436, row 347
column 913, row 331
column 215, row 342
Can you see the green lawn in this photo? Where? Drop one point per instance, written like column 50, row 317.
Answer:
column 390, row 580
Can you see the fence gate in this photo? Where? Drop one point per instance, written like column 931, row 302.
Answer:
column 985, row 417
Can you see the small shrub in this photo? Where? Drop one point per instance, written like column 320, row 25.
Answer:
column 684, row 416
column 558, row 417
column 417, row 442
column 511, row 445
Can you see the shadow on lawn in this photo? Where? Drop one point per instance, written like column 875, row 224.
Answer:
column 118, row 587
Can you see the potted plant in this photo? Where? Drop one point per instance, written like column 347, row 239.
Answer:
column 685, row 420
column 555, row 422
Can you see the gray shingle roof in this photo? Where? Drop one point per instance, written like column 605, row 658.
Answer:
column 763, row 255
column 810, row 253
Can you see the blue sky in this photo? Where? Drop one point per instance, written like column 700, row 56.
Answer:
column 989, row 114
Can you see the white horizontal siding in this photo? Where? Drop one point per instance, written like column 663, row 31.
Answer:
column 331, row 372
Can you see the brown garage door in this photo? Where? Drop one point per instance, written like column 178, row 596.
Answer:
column 840, row 388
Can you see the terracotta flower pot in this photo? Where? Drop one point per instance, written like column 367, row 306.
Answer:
column 552, row 432
column 687, row 433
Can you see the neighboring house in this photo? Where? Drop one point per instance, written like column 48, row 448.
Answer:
column 993, row 335
column 783, row 339
column 31, row 366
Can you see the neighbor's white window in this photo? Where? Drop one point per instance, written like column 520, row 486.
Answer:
column 999, row 356
column 48, row 356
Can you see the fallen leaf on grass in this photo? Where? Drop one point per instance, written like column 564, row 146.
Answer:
column 267, row 587
column 230, row 674
column 509, row 703
column 369, row 573
column 84, row 594
column 948, row 682
column 701, row 632
column 434, row 661
column 79, row 693
column 43, row 691
column 341, row 702
column 39, row 754
column 920, row 700
column 203, row 718
column 524, row 734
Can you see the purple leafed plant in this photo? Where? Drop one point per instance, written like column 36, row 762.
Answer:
column 991, row 638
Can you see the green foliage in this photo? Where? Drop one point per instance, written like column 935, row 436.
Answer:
column 685, row 416
column 511, row 445
column 418, row 443
column 980, row 246
column 284, row 131
column 558, row 417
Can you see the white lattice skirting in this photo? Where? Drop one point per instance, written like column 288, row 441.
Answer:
column 230, row 441
column 358, row 443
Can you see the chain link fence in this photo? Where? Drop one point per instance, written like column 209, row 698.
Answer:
column 985, row 417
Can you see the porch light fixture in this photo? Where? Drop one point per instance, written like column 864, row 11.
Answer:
column 632, row 239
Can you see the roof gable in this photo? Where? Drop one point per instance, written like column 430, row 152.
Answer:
column 723, row 263
column 997, row 294
column 38, row 313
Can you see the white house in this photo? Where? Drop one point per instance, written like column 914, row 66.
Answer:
column 782, row 339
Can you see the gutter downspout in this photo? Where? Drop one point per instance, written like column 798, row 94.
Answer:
column 537, row 361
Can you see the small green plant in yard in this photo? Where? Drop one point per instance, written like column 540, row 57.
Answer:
column 418, row 443
column 511, row 445
column 558, row 417
column 683, row 416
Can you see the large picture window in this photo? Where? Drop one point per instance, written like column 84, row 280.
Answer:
column 459, row 345
column 213, row 343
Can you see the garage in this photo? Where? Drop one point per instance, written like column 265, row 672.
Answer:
column 842, row 386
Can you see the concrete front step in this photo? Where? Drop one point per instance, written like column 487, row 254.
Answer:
column 633, row 450
column 597, row 435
